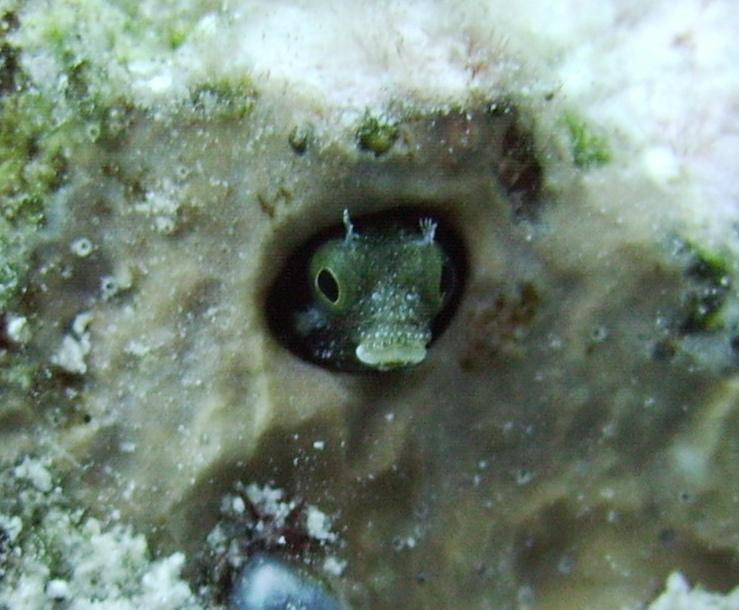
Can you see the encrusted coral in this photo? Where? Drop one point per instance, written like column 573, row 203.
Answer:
column 259, row 522
column 53, row 554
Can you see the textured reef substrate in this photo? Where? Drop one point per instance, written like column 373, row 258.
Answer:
column 571, row 434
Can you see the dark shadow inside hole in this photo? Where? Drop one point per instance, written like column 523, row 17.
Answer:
column 517, row 168
column 291, row 291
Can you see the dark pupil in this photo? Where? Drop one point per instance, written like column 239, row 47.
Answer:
column 326, row 283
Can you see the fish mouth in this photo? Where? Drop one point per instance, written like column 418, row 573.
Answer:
column 390, row 353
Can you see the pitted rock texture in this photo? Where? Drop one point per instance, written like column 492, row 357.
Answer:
column 543, row 451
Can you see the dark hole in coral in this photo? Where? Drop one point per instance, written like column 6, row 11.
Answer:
column 517, row 169
column 291, row 292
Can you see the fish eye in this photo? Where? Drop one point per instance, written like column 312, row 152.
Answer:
column 327, row 285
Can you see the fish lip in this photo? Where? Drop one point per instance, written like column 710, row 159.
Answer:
column 385, row 356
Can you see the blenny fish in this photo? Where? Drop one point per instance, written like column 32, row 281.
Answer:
column 375, row 294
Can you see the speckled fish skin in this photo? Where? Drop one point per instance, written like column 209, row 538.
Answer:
column 266, row 583
column 387, row 285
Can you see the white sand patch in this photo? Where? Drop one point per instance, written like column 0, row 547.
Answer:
column 678, row 595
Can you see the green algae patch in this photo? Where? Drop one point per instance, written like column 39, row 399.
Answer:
column 300, row 137
column 176, row 36
column 376, row 135
column 33, row 165
column 224, row 99
column 711, row 273
column 589, row 147
column 32, row 156
column 44, row 132
column 9, row 279
column 43, row 125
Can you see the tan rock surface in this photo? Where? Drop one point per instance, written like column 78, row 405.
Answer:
column 541, row 455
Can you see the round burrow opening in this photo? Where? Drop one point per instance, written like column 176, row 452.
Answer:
column 395, row 275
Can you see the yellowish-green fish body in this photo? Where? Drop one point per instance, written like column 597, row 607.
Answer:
column 375, row 296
